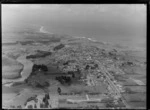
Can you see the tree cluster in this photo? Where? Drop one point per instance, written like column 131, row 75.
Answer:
column 64, row 79
column 39, row 67
column 38, row 55
column 45, row 100
column 59, row 47
column 91, row 66
column 37, row 81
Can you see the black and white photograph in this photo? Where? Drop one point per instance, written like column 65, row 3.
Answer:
column 74, row 56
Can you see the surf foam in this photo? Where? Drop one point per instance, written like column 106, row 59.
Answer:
column 44, row 31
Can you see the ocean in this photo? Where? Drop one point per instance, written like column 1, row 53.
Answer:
column 136, row 41
column 117, row 24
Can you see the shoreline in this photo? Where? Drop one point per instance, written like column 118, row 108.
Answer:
column 135, row 48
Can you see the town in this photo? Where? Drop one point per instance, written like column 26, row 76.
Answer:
column 91, row 75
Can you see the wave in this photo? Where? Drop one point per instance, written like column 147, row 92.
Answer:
column 78, row 37
column 85, row 38
column 42, row 30
column 91, row 39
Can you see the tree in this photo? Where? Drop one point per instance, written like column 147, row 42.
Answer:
column 30, row 106
column 59, row 90
column 41, row 67
column 12, row 106
column 35, row 106
column 42, row 106
column 46, row 104
column 47, row 96
column 109, row 104
column 73, row 75
column 87, row 67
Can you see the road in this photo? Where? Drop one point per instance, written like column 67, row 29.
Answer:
column 117, row 91
column 112, row 85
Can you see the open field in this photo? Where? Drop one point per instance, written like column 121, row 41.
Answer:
column 135, row 70
column 81, row 88
column 81, row 105
column 140, row 77
column 11, row 68
column 135, row 97
column 141, row 89
column 137, row 105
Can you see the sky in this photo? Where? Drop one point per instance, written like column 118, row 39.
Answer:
column 124, row 23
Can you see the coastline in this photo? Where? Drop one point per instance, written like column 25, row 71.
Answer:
column 117, row 45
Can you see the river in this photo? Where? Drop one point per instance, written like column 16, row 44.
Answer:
column 9, row 92
column 27, row 69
